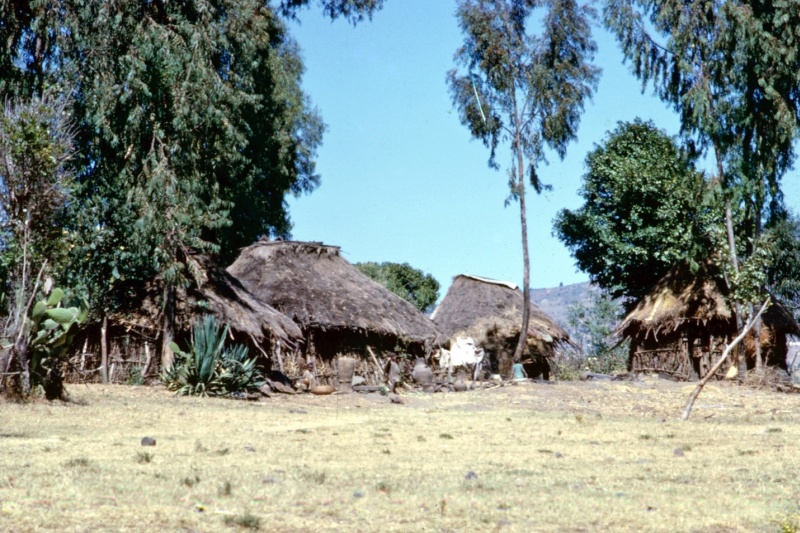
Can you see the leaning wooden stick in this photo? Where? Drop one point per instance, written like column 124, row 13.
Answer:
column 713, row 370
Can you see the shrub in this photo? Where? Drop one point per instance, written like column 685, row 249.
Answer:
column 209, row 368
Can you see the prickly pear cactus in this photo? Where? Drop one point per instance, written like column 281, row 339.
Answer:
column 49, row 330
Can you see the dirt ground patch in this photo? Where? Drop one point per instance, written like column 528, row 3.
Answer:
column 597, row 456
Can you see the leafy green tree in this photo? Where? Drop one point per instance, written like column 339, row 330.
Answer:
column 643, row 211
column 191, row 128
column 783, row 274
column 729, row 68
column 409, row 283
column 35, row 185
column 524, row 89
column 353, row 10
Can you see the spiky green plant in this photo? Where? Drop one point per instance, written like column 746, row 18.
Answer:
column 49, row 329
column 209, row 368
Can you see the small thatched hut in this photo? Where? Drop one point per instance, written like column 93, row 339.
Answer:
column 339, row 309
column 135, row 335
column 490, row 312
column 683, row 325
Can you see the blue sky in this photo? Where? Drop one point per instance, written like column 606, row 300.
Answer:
column 402, row 180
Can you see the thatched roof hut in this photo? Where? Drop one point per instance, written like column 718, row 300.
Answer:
column 135, row 333
column 490, row 312
column 683, row 325
column 339, row 309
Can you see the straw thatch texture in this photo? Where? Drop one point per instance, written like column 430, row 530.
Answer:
column 490, row 312
column 339, row 309
column 137, row 330
column 684, row 323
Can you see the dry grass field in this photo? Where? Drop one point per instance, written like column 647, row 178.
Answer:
column 556, row 457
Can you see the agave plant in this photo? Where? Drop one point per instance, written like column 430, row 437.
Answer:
column 208, row 368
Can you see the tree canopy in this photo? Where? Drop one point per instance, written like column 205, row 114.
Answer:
column 729, row 68
column 643, row 211
column 409, row 283
column 524, row 89
column 191, row 124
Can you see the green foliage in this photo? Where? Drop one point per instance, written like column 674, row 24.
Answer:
column 209, row 368
column 352, row 10
column 524, row 89
column 49, row 331
column 730, row 70
column 783, row 274
column 409, row 283
column 643, row 211
column 593, row 326
column 35, row 185
column 191, row 126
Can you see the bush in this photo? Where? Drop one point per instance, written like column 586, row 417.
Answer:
column 209, row 368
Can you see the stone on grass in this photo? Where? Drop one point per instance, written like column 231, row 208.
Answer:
column 148, row 441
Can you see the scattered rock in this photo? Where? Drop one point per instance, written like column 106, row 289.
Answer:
column 358, row 494
column 270, row 480
column 394, row 398
column 594, row 376
column 249, row 448
column 471, row 475
column 265, row 390
column 148, row 441
column 679, row 452
column 558, row 455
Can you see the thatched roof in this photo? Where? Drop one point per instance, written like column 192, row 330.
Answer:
column 218, row 293
column 682, row 297
column 475, row 305
column 312, row 284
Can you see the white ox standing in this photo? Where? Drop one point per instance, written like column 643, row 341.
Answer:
column 462, row 353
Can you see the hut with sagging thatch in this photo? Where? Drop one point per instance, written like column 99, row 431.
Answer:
column 684, row 324
column 134, row 336
column 490, row 312
column 339, row 309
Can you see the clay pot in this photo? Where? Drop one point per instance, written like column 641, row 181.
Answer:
column 347, row 367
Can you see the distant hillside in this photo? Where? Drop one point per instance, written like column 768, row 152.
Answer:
column 556, row 301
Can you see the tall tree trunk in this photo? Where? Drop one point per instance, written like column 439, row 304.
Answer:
column 104, row 350
column 739, row 352
column 522, row 344
column 168, row 328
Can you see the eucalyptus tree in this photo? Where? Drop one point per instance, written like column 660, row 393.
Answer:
column 528, row 90
column 191, row 126
column 729, row 68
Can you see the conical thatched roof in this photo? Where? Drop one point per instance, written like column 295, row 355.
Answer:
column 218, row 293
column 701, row 297
column 312, row 284
column 475, row 305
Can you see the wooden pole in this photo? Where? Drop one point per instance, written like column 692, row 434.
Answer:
column 713, row 370
column 280, row 358
column 148, row 360
column 104, row 351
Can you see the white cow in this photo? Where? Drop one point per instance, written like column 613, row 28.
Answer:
column 462, row 353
